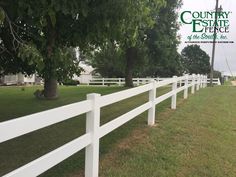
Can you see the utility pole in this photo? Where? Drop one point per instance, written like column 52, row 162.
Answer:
column 214, row 45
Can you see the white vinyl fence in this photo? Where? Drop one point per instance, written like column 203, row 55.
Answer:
column 136, row 81
column 215, row 81
column 92, row 106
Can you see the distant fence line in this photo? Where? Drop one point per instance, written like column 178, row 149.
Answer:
column 94, row 131
column 136, row 81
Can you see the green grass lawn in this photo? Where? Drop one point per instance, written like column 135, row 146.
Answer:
column 15, row 102
column 228, row 83
column 197, row 139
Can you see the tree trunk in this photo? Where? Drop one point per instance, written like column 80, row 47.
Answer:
column 50, row 88
column 50, row 85
column 130, row 58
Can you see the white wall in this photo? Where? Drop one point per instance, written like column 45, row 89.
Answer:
column 18, row 79
column 83, row 78
column 29, row 79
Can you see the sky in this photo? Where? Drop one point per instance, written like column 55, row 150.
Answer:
column 224, row 51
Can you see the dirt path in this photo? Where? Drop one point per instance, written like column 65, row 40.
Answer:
column 233, row 83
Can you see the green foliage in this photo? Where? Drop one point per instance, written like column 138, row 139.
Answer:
column 32, row 55
column 217, row 74
column 12, row 35
column 135, row 17
column 2, row 15
column 162, row 42
column 64, row 62
column 50, row 29
column 70, row 82
column 195, row 60
column 155, row 40
column 138, row 17
column 108, row 61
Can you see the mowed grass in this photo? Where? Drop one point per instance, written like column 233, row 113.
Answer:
column 196, row 140
column 19, row 151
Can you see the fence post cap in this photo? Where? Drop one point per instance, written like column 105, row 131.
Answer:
column 152, row 81
column 93, row 95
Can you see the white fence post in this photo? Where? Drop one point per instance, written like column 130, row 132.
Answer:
column 152, row 110
column 119, row 82
column 92, row 126
column 201, row 81
column 103, row 81
column 204, row 81
column 198, row 80
column 174, row 97
column 186, row 87
column 193, row 84
column 218, row 83
column 137, row 81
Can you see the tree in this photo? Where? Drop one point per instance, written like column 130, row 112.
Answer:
column 53, row 28
column 155, row 48
column 128, row 41
column 11, row 36
column 108, row 61
column 162, row 42
column 195, row 60
column 132, row 30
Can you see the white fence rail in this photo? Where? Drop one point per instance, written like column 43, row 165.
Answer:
column 215, row 81
column 136, row 81
column 92, row 106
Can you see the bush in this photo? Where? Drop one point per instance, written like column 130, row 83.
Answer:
column 71, row 82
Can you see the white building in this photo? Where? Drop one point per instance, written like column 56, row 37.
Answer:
column 86, row 75
column 18, row 79
column 21, row 79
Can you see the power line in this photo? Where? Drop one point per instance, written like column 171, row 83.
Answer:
column 229, row 67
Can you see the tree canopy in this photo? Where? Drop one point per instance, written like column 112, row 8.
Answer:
column 195, row 60
column 154, row 48
column 44, row 33
column 121, row 38
column 163, row 41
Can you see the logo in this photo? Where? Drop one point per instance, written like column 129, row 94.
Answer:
column 206, row 26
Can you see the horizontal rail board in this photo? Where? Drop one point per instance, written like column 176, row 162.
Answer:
column 164, row 97
column 164, row 82
column 180, row 89
column 112, row 125
column 30, row 123
column 180, row 78
column 119, row 96
column 51, row 159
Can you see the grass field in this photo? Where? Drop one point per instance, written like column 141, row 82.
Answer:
column 197, row 139
column 15, row 102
